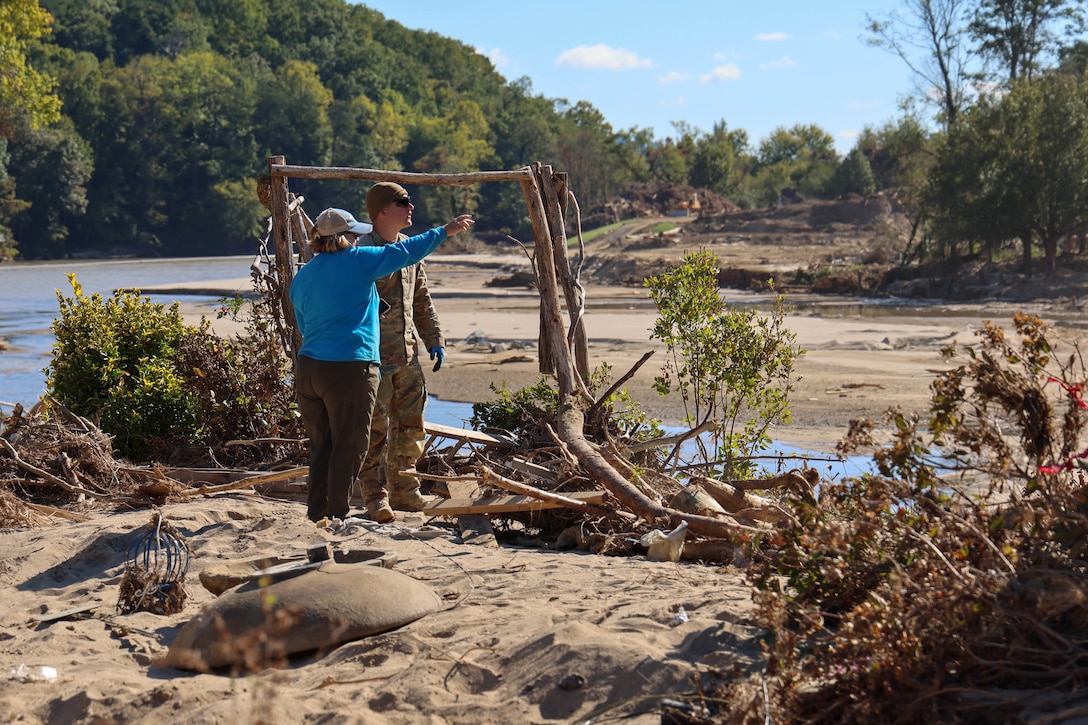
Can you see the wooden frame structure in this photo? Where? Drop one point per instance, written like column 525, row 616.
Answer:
column 545, row 195
column 562, row 350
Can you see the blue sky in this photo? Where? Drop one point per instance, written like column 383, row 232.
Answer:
column 757, row 65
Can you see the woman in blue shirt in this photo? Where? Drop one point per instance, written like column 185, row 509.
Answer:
column 337, row 367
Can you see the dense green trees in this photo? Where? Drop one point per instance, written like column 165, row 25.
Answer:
column 1007, row 171
column 24, row 89
column 801, row 157
column 719, row 160
column 1015, row 169
column 172, row 107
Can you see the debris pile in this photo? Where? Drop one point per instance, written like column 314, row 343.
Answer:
column 640, row 200
column 54, row 463
column 536, row 491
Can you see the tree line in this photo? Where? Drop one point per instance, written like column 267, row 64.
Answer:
column 140, row 126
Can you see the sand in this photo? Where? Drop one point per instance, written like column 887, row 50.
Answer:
column 526, row 634
column 516, row 622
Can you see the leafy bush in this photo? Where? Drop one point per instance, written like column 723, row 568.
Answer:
column 518, row 411
column 160, row 387
column 731, row 366
column 114, row 360
column 529, row 412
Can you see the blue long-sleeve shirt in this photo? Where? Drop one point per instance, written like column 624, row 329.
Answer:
column 336, row 303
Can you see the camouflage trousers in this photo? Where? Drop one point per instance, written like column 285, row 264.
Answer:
column 396, row 433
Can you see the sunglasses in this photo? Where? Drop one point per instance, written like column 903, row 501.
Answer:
column 405, row 201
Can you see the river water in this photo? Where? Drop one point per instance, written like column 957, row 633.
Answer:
column 28, row 306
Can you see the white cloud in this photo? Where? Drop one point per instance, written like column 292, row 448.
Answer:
column 672, row 77
column 783, row 62
column 773, row 37
column 497, row 56
column 678, row 101
column 721, row 74
column 602, row 57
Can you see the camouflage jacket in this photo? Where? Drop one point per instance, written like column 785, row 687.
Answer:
column 411, row 316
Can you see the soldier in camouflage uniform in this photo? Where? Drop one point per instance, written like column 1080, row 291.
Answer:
column 396, row 433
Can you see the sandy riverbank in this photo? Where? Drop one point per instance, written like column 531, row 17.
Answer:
column 858, row 361
column 523, row 634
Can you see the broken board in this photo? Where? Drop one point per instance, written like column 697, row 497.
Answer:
column 74, row 612
column 468, row 436
column 511, row 503
column 475, row 528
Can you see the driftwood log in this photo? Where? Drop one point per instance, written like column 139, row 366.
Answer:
column 574, row 399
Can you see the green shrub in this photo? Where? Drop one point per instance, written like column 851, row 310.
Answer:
column 520, row 411
column 528, row 412
column 114, row 360
column 161, row 387
column 732, row 367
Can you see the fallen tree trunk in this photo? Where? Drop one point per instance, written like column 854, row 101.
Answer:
column 495, row 479
column 571, row 421
column 737, row 501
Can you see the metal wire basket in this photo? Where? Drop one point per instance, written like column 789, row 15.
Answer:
column 154, row 578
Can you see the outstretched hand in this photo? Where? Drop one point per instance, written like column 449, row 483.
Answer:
column 460, row 224
column 438, row 354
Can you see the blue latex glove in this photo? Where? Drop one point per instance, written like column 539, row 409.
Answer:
column 438, row 354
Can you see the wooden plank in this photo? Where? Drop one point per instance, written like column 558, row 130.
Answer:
column 469, row 436
column 286, row 480
column 504, row 504
column 53, row 511
column 475, row 528
column 54, row 616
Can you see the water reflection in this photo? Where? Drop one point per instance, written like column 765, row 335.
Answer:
column 779, row 457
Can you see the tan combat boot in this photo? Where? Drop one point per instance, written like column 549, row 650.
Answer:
column 410, row 500
column 378, row 510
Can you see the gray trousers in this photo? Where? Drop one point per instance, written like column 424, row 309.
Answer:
column 336, row 401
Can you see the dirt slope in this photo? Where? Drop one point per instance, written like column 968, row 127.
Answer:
column 851, row 246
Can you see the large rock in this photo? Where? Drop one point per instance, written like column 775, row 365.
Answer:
column 260, row 623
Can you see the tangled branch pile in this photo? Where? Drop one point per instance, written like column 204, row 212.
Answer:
column 58, row 464
column 539, row 463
